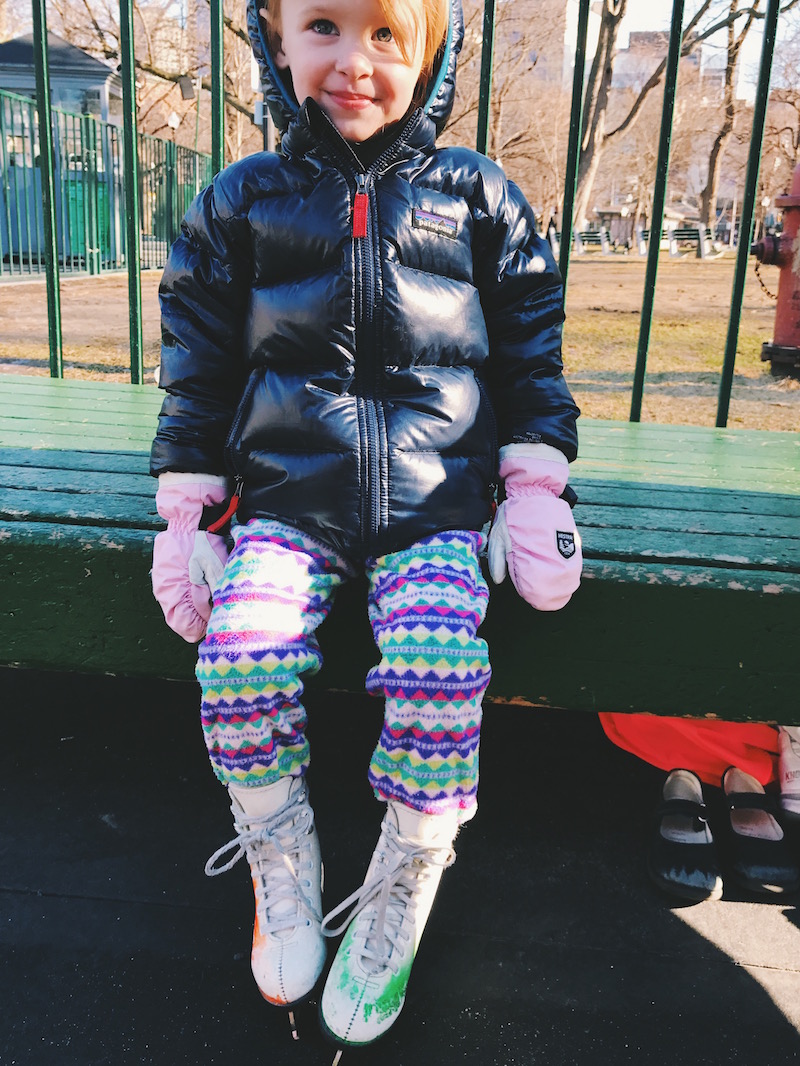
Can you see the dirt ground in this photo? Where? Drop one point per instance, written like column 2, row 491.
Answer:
column 604, row 298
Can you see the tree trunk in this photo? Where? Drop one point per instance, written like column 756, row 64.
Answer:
column 596, row 105
column 708, row 197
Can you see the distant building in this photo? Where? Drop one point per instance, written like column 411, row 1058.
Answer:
column 647, row 48
column 78, row 82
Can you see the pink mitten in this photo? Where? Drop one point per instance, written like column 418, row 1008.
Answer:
column 187, row 562
column 533, row 536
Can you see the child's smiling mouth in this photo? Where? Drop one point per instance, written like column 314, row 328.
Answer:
column 349, row 100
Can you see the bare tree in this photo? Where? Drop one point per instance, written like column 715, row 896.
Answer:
column 596, row 135
column 735, row 40
column 596, row 101
column 15, row 17
column 781, row 153
column 171, row 49
column 529, row 111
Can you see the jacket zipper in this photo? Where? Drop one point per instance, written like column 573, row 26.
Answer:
column 365, row 258
column 234, row 430
column 366, row 264
column 366, row 398
column 494, row 484
column 487, row 402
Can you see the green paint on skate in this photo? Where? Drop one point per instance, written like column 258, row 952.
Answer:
column 391, row 999
column 346, row 982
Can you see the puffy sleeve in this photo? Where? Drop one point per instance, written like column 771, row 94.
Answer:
column 203, row 294
column 523, row 303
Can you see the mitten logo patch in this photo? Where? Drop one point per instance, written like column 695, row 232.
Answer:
column 566, row 543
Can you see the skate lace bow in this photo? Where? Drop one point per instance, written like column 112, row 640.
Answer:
column 385, row 904
column 274, row 846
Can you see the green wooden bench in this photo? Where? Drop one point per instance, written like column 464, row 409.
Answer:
column 689, row 603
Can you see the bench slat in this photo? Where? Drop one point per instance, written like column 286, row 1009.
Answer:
column 33, row 480
column 111, row 511
column 622, row 536
column 669, row 521
column 676, row 498
column 137, row 462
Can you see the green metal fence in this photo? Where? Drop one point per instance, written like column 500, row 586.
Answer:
column 153, row 206
column 88, row 192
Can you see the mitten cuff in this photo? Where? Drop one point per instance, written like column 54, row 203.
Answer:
column 181, row 497
column 533, row 451
column 174, row 477
column 527, row 476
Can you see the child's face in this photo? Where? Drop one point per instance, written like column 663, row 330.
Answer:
column 342, row 54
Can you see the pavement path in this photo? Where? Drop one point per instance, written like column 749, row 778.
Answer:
column 547, row 945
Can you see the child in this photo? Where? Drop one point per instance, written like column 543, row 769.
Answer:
column 351, row 331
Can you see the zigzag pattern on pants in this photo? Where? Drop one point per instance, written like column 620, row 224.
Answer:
column 277, row 588
column 426, row 604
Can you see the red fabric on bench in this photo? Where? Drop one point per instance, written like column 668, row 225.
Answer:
column 706, row 747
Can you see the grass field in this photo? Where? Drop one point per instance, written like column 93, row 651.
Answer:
column 604, row 298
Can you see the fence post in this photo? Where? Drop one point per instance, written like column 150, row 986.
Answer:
column 42, row 71
column 487, row 62
column 748, row 204
column 89, row 182
column 171, row 206
column 217, row 94
column 134, row 227
column 657, row 215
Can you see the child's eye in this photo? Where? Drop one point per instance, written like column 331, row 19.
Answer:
column 324, row 27
column 384, row 35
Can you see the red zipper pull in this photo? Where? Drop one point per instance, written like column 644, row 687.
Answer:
column 230, row 511
column 360, row 207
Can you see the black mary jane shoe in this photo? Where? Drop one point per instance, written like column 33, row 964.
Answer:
column 682, row 858
column 761, row 863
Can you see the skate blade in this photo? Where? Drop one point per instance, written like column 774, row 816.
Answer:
column 293, row 1026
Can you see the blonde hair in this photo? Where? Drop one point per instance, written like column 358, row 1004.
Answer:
column 401, row 18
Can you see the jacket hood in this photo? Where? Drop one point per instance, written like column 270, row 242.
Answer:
column 284, row 106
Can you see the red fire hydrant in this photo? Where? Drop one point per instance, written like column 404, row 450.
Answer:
column 784, row 251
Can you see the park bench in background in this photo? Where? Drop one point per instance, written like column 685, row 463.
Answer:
column 673, row 238
column 689, row 602
column 582, row 240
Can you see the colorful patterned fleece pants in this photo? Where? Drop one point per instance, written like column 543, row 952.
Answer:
column 425, row 605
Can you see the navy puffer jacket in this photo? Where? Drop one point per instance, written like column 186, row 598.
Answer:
column 359, row 386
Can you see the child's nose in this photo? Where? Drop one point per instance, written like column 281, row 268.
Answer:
column 354, row 62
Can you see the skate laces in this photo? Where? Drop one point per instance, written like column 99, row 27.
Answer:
column 276, row 848
column 385, row 904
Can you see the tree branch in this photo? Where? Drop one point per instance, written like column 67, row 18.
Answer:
column 165, row 75
column 655, row 77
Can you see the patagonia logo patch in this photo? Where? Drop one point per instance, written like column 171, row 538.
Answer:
column 433, row 223
column 565, row 543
